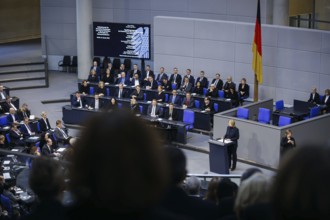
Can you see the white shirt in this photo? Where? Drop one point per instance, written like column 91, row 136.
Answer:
column 28, row 129
column 13, row 106
column 136, row 82
column 153, row 111
column 2, row 95
column 96, row 104
column 326, row 99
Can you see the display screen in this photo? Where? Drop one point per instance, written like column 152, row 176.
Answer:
column 121, row 40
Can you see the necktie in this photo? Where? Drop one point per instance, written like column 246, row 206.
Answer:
column 174, row 78
column 13, row 116
column 215, row 83
column 96, row 104
column 3, row 96
column 47, row 124
column 173, row 99
column 80, row 103
column 28, row 129
column 13, row 106
column 24, row 114
column 119, row 95
column 64, row 134
column 122, row 80
column 188, row 101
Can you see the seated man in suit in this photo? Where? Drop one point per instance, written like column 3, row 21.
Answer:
column 217, row 81
column 190, row 77
column 176, row 78
column 120, row 92
column 151, row 84
column 134, row 71
column 147, row 73
column 314, row 97
column 325, row 103
column 188, row 101
column 12, row 117
column 123, row 79
column 154, row 109
column 96, row 103
column 166, row 85
column 174, row 98
column 16, row 135
column 212, row 91
column 8, row 104
column 186, row 85
column 44, row 122
column 202, row 79
column 23, row 112
column 25, row 129
column 3, row 94
column 136, row 80
column 137, row 93
column 208, row 106
column 60, row 134
column 78, row 101
column 161, row 75
column 96, row 68
column 47, row 149
column 171, row 113
column 229, row 84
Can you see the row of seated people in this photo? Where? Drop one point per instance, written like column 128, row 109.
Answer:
column 188, row 101
column 323, row 101
column 186, row 83
column 162, row 89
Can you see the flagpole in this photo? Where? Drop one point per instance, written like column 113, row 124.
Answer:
column 256, row 89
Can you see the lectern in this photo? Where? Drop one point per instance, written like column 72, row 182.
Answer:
column 218, row 157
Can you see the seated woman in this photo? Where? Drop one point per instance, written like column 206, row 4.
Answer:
column 160, row 96
column 112, row 105
column 135, row 109
column 198, row 89
column 186, row 86
column 244, row 90
column 233, row 95
column 101, row 91
column 108, row 78
column 84, row 88
column 93, row 78
column 325, row 102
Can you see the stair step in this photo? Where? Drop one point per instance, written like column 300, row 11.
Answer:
column 21, row 64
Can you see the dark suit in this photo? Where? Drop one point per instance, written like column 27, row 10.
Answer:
column 177, row 100
column 174, row 114
column 124, row 81
column 47, row 151
column 139, row 96
column 145, row 74
column 199, row 91
column 219, row 84
column 157, row 110
column 167, row 86
column 97, row 70
column 202, row 81
column 10, row 119
column 316, row 98
column 16, row 137
column 21, row 115
column 245, row 90
column 44, row 124
column 160, row 97
column 108, row 79
column 152, row 85
column 326, row 103
column 190, row 103
column 186, row 88
column 213, row 93
column 6, row 106
column 123, row 95
column 77, row 103
column 133, row 82
column 101, row 103
column 131, row 73
column 234, row 98
column 135, row 109
column 176, row 79
column 227, row 86
column 84, row 89
column 93, row 79
column 25, row 131
column 60, row 136
column 285, row 146
column 160, row 77
column 232, row 133
column 191, row 79
column 4, row 94
column 209, row 106
column 100, row 90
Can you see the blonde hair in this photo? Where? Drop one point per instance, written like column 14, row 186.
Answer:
column 231, row 122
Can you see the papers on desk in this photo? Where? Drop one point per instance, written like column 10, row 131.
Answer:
column 106, row 83
column 14, row 149
column 226, row 141
column 203, row 111
column 32, row 117
column 6, row 175
column 6, row 127
column 159, row 119
column 148, row 101
column 6, row 168
column 228, row 100
column 61, row 149
column 33, row 138
column 6, row 162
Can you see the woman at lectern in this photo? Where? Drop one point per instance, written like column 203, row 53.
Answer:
column 287, row 142
column 232, row 134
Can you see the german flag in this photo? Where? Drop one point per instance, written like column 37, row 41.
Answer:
column 256, row 48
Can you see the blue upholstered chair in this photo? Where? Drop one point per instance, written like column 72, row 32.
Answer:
column 282, row 121
column 242, row 113
column 197, row 104
column 107, row 91
column 221, row 93
column 279, row 105
column 216, row 107
column 264, row 115
column 189, row 117
column 91, row 90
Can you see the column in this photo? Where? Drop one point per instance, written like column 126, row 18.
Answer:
column 84, row 36
column 281, row 12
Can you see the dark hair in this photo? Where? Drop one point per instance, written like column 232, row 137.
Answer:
column 249, row 172
column 177, row 164
column 46, row 177
column 226, row 188
column 125, row 172
column 301, row 188
column 58, row 122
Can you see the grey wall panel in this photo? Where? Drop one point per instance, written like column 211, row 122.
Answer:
column 243, row 53
column 296, row 80
column 67, row 47
column 169, row 5
column 214, row 66
column 119, row 15
column 171, row 61
column 217, row 50
column 207, row 16
column 58, row 3
column 241, row 19
column 174, row 27
column 174, row 46
column 325, row 64
column 141, row 4
column 324, row 83
column 266, row 92
column 103, row 14
column 288, row 95
column 299, row 60
column 103, row 4
column 294, row 38
column 243, row 70
column 269, row 76
column 208, row 6
column 214, row 30
column 325, row 43
column 269, row 56
column 244, row 33
column 245, row 8
column 55, row 15
column 269, row 36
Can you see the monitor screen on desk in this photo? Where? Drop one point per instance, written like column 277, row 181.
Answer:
column 301, row 106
